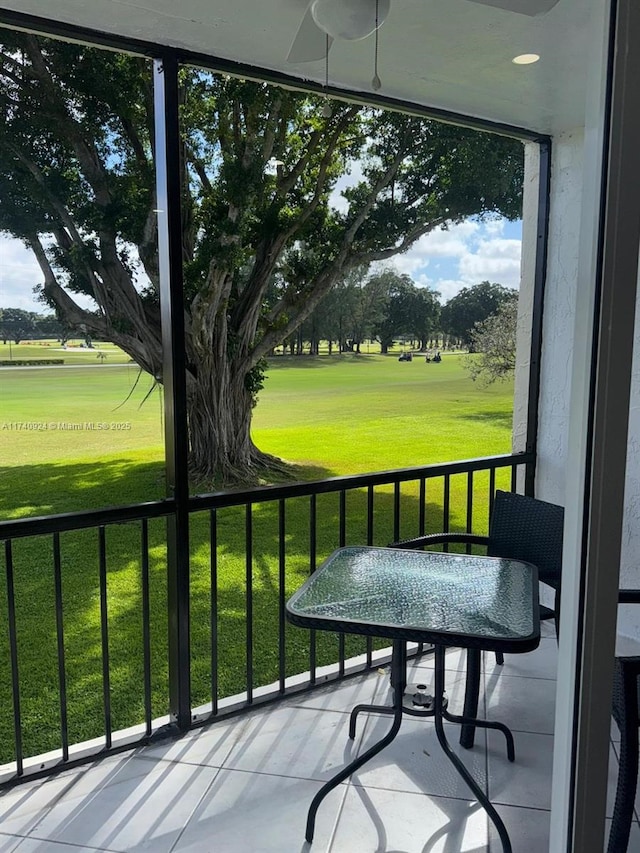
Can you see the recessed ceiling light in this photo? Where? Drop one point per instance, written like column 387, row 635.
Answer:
column 526, row 59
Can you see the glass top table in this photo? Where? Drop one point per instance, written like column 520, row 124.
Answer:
column 467, row 601
column 446, row 599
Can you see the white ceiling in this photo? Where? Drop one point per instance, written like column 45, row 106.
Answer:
column 450, row 54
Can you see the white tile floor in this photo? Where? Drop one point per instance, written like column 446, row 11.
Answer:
column 245, row 784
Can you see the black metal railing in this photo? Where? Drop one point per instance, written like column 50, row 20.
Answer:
column 85, row 652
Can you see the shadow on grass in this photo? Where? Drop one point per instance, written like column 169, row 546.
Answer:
column 333, row 360
column 243, row 606
column 503, row 418
column 47, row 489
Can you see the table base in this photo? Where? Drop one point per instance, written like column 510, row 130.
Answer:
column 439, row 713
column 469, row 722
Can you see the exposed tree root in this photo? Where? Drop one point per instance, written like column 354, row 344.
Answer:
column 260, row 469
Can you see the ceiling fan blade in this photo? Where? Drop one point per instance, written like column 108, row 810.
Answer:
column 522, row 7
column 310, row 42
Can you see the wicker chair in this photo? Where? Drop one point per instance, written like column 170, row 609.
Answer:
column 521, row 528
column 626, row 713
column 524, row 528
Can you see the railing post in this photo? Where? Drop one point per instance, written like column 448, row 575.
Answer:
column 167, row 139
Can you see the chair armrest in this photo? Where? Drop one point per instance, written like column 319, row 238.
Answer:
column 438, row 538
column 629, row 596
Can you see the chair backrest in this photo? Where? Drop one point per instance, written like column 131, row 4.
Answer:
column 527, row 529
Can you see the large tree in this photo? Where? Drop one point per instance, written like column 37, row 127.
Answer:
column 365, row 302
column 473, row 305
column 410, row 310
column 494, row 344
column 396, row 320
column 426, row 312
column 259, row 167
column 16, row 324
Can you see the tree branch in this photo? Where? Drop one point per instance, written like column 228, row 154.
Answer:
column 268, row 252
column 270, row 132
column 85, row 150
column 57, row 208
column 300, row 311
column 132, row 135
column 201, row 172
column 383, row 181
column 406, row 243
column 69, row 309
column 288, row 181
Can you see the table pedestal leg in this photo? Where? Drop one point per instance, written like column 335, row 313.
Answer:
column 473, row 722
column 468, row 720
column 398, row 666
column 370, row 709
column 462, row 770
column 471, row 694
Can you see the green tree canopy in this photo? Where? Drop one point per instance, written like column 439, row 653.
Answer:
column 258, row 166
column 16, row 324
column 425, row 315
column 494, row 344
column 473, row 305
column 396, row 320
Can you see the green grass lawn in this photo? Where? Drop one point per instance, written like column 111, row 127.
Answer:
column 72, row 353
column 331, row 416
column 353, row 414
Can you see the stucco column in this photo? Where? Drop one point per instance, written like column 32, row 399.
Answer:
column 565, row 203
column 525, row 299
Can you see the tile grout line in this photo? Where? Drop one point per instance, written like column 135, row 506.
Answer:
column 349, row 781
column 67, row 789
column 67, row 844
column 193, row 811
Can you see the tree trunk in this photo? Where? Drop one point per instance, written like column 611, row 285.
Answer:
column 219, row 408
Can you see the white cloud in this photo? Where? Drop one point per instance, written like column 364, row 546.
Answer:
column 448, row 243
column 465, row 254
column 19, row 273
column 494, row 260
column 494, row 227
column 336, row 200
column 448, row 288
column 408, row 264
column 439, row 243
column 423, row 280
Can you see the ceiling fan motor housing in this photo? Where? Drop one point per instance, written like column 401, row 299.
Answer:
column 350, row 20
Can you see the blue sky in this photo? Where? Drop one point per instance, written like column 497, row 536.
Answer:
column 444, row 260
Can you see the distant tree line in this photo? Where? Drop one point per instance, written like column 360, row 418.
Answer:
column 18, row 325
column 385, row 306
column 388, row 307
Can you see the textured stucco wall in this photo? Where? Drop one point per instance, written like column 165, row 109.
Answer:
column 559, row 314
column 557, row 353
column 559, row 321
column 525, row 299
